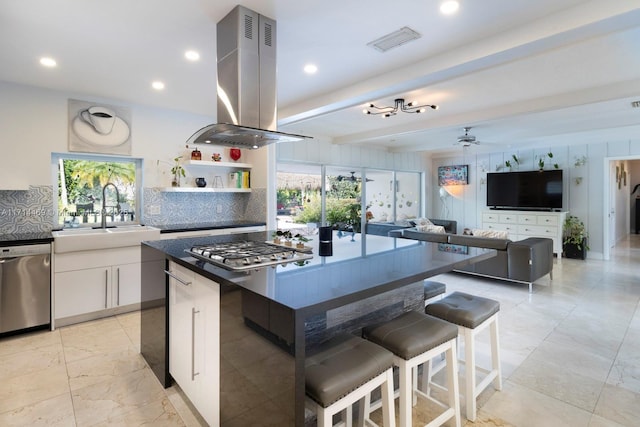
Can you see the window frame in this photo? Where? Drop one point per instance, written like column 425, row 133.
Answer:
column 139, row 168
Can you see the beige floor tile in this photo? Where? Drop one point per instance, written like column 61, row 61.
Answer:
column 110, row 399
column 54, row 412
column 32, row 360
column 619, row 405
column 24, row 390
column 523, row 407
column 30, row 341
column 157, row 414
column 88, row 341
column 556, row 381
column 104, row 367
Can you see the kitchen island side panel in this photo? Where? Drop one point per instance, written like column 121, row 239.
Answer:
column 154, row 320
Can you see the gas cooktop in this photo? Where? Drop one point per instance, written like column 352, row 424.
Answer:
column 246, row 255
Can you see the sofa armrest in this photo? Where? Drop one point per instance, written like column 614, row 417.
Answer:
column 411, row 233
column 450, row 226
column 530, row 259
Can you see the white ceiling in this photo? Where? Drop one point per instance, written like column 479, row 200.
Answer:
column 521, row 72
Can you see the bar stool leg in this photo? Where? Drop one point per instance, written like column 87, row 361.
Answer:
column 470, row 372
column 406, row 392
column 388, row 412
column 495, row 354
column 452, row 381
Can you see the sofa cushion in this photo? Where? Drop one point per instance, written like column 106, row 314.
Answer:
column 430, row 228
column 494, row 234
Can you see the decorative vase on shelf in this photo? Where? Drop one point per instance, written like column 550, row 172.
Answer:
column 235, row 154
column 200, row 182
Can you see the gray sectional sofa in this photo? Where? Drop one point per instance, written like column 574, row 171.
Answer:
column 524, row 261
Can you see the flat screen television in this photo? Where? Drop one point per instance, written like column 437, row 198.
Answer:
column 528, row 190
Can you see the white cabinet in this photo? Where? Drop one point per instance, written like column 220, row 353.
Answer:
column 93, row 284
column 194, row 339
column 523, row 224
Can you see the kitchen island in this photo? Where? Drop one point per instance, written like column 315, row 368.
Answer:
column 268, row 320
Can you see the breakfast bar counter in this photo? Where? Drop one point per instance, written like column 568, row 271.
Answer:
column 270, row 318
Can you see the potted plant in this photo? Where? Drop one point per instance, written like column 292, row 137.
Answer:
column 301, row 240
column 177, row 170
column 280, row 235
column 574, row 238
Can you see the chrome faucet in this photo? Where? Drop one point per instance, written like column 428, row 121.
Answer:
column 104, row 202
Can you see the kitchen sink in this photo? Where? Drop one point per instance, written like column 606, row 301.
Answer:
column 82, row 239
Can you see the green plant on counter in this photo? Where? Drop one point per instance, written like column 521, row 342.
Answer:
column 574, row 232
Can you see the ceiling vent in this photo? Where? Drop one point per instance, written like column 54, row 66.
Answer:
column 635, row 104
column 395, row 39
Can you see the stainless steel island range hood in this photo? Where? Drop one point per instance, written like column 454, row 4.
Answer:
column 247, row 105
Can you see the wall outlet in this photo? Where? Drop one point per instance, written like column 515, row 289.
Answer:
column 154, row 210
column 219, row 209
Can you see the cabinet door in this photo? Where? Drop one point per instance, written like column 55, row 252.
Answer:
column 125, row 284
column 181, row 328
column 82, row 291
column 206, row 347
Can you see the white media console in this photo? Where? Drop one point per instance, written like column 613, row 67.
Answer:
column 523, row 224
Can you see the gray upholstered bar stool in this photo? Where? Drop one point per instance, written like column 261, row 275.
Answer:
column 472, row 314
column 432, row 289
column 345, row 370
column 414, row 339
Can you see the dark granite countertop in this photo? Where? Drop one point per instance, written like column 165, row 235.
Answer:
column 31, row 238
column 177, row 228
column 327, row 282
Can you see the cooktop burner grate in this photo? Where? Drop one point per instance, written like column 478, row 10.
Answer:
column 246, row 255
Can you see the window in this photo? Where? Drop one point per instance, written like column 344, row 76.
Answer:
column 390, row 196
column 84, row 189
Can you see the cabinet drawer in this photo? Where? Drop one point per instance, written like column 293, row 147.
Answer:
column 508, row 218
column 548, row 220
column 490, row 217
column 538, row 230
column 527, row 219
column 501, row 227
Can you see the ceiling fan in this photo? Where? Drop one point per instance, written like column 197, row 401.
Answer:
column 351, row 178
column 466, row 139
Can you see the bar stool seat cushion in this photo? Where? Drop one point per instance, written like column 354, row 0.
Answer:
column 341, row 365
column 410, row 334
column 463, row 309
column 433, row 289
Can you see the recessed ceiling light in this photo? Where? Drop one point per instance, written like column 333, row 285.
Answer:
column 48, row 62
column 449, row 7
column 310, row 69
column 192, row 55
column 157, row 85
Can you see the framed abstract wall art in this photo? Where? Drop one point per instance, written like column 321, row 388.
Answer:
column 453, row 175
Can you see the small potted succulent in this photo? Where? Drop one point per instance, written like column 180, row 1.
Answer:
column 301, row 240
column 279, row 236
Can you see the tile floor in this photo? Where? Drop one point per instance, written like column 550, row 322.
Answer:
column 570, row 357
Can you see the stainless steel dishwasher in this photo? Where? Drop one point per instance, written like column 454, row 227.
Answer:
column 25, row 287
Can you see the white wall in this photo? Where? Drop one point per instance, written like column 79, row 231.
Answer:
column 584, row 200
column 33, row 123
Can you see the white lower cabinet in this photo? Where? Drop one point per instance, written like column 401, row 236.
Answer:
column 93, row 284
column 194, row 339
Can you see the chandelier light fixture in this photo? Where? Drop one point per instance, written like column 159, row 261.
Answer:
column 399, row 106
